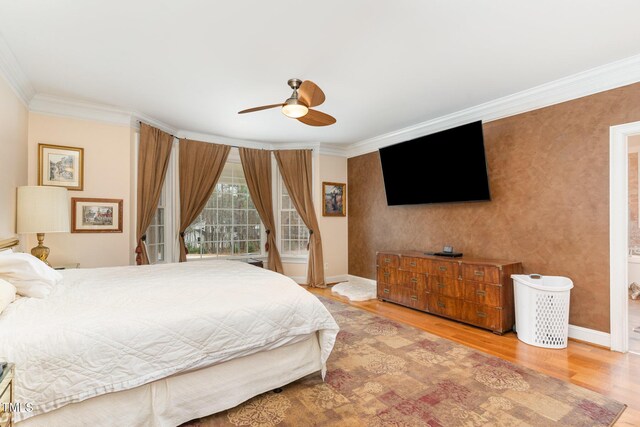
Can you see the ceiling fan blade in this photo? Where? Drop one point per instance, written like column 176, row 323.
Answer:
column 310, row 94
column 317, row 118
column 264, row 107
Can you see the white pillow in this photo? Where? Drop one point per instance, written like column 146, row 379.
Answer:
column 7, row 294
column 6, row 251
column 30, row 276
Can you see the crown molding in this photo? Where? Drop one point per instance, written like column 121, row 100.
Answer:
column 78, row 109
column 14, row 75
column 599, row 79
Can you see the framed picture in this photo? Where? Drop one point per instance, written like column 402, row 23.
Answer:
column 61, row 166
column 335, row 199
column 96, row 215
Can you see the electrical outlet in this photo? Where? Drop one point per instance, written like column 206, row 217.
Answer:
column 326, row 265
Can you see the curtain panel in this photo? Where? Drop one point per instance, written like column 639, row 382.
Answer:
column 296, row 170
column 154, row 153
column 257, row 171
column 200, row 167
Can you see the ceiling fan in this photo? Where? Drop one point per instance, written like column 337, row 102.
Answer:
column 305, row 94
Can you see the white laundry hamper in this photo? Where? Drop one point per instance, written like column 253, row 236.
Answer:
column 542, row 309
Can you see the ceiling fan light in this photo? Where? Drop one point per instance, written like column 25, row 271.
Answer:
column 294, row 109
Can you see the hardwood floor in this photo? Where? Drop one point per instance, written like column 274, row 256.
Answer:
column 612, row 374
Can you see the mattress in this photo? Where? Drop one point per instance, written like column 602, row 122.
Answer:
column 112, row 329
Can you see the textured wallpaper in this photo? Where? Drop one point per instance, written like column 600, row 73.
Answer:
column 549, row 178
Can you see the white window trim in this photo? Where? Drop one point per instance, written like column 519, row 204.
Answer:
column 234, row 157
column 277, row 184
column 170, row 190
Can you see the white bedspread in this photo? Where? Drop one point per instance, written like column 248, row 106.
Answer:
column 112, row 329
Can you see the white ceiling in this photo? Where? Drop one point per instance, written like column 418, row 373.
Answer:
column 384, row 65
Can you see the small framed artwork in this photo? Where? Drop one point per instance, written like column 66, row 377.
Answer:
column 335, row 199
column 61, row 166
column 96, row 215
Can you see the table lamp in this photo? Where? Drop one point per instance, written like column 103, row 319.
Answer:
column 42, row 210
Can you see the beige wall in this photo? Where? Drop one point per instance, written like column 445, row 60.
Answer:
column 13, row 156
column 332, row 229
column 107, row 165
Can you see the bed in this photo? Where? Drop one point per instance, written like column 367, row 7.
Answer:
column 160, row 345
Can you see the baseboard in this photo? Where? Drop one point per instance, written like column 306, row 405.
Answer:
column 300, row 280
column 336, row 279
column 352, row 277
column 590, row 336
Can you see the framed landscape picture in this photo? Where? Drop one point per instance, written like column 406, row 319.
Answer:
column 334, row 199
column 96, row 215
column 61, row 166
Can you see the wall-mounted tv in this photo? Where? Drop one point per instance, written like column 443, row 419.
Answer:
column 444, row 167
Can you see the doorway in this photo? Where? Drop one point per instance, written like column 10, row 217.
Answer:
column 619, row 227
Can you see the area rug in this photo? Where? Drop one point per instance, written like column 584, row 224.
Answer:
column 383, row 373
column 356, row 289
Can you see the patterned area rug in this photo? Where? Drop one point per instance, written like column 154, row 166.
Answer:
column 383, row 373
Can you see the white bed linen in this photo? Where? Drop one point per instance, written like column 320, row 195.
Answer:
column 171, row 401
column 110, row 329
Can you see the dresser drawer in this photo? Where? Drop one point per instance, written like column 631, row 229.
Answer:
column 388, row 260
column 407, row 278
column 412, row 264
column 481, row 273
column 482, row 315
column 482, row 293
column 445, row 286
column 413, row 296
column 387, row 275
column 443, row 268
column 444, row 306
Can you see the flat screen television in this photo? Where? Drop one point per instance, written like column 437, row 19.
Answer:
column 444, row 167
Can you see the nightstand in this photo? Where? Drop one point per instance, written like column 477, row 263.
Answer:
column 6, row 395
column 69, row 266
column 256, row 262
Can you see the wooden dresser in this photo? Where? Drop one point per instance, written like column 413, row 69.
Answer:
column 474, row 291
column 6, row 396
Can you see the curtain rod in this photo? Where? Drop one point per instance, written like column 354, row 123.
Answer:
column 234, row 146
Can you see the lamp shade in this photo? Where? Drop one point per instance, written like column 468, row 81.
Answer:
column 42, row 210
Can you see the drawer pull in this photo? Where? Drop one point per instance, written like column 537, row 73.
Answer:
column 442, row 268
column 481, row 293
column 387, row 260
column 481, row 314
column 440, row 304
column 414, row 297
column 386, row 291
column 412, row 264
column 479, row 273
column 386, row 274
column 441, row 285
column 414, row 280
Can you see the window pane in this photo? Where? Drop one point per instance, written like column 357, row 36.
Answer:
column 229, row 221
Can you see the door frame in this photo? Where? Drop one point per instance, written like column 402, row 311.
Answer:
column 619, row 232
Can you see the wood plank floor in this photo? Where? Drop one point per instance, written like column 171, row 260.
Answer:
column 612, row 374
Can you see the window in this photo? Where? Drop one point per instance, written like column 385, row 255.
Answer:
column 161, row 235
column 229, row 225
column 294, row 235
column 156, row 233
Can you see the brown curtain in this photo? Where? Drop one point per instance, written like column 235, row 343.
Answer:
column 257, row 171
column 201, row 164
column 153, row 160
column 296, row 169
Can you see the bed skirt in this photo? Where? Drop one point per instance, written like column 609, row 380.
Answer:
column 177, row 399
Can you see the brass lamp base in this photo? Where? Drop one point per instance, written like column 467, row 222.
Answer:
column 41, row 251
